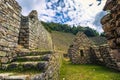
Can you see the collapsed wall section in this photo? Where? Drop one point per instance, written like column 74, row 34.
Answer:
column 10, row 13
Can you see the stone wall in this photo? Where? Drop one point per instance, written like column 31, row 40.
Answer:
column 97, row 55
column 82, row 51
column 79, row 50
column 19, row 32
column 103, row 56
column 10, row 13
column 33, row 35
column 111, row 25
column 53, row 69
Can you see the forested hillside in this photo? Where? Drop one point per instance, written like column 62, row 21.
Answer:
column 70, row 29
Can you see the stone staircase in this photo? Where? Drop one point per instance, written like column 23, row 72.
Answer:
column 26, row 61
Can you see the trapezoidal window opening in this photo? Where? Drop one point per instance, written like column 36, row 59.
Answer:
column 81, row 53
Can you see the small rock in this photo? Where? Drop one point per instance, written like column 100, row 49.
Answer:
column 46, row 57
column 42, row 66
column 39, row 77
column 12, row 66
column 28, row 66
column 4, row 60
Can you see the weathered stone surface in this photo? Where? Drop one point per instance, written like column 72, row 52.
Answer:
column 4, row 60
column 113, row 33
column 10, row 13
column 79, row 50
column 42, row 66
column 24, row 30
column 33, row 35
column 47, row 57
column 3, row 54
column 39, row 77
column 92, row 54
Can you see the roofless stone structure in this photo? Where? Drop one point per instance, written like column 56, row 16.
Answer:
column 104, row 54
column 79, row 50
column 25, row 45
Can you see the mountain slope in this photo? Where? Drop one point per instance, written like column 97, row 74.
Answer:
column 62, row 40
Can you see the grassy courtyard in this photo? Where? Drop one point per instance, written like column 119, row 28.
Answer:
column 86, row 72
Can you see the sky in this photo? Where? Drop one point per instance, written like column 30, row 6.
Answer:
column 73, row 12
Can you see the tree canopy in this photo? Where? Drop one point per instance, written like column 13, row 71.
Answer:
column 68, row 29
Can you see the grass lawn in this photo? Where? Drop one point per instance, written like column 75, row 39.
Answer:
column 86, row 72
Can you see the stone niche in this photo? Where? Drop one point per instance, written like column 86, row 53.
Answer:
column 33, row 35
column 10, row 13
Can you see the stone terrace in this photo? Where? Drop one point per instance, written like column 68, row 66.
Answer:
column 25, row 46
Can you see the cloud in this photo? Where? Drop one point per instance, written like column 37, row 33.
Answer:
column 72, row 12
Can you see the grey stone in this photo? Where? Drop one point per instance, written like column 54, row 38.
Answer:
column 4, row 60
column 42, row 66
column 39, row 77
column 3, row 54
column 46, row 57
column 29, row 66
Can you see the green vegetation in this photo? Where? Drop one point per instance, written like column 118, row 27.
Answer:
column 86, row 72
column 98, row 40
column 68, row 29
column 62, row 40
column 20, row 70
column 102, row 34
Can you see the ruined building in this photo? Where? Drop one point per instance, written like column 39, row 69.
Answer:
column 79, row 50
column 16, row 30
column 107, row 55
column 83, row 51
column 25, row 44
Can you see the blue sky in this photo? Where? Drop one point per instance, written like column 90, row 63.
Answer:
column 72, row 12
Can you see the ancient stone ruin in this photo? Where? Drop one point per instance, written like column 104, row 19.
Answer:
column 32, row 34
column 107, row 55
column 111, row 26
column 25, row 44
column 83, row 51
column 79, row 50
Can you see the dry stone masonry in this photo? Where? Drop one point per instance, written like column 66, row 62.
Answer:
column 32, row 34
column 111, row 26
column 79, row 50
column 25, row 45
column 16, row 30
column 10, row 13
column 46, row 63
column 107, row 55
column 83, row 51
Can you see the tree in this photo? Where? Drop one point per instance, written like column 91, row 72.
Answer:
column 68, row 29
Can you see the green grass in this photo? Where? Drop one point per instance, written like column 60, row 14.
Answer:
column 86, row 72
column 62, row 40
column 20, row 71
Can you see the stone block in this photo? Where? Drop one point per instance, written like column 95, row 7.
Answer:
column 3, row 54
column 42, row 66
column 4, row 60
